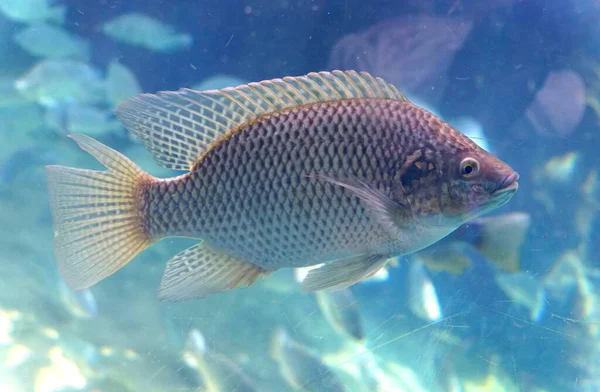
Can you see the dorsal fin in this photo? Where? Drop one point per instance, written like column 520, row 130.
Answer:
column 178, row 126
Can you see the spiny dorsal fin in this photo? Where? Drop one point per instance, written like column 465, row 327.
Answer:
column 178, row 126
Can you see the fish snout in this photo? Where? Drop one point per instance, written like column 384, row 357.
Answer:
column 510, row 183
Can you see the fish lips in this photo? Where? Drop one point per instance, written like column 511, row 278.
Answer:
column 509, row 185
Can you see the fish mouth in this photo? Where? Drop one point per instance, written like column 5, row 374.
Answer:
column 509, row 184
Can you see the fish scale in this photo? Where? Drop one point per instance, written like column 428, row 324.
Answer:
column 315, row 209
column 335, row 168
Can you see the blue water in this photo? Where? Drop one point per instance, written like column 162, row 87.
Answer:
column 527, row 72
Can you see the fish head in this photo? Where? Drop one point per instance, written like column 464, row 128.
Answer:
column 476, row 182
column 450, row 180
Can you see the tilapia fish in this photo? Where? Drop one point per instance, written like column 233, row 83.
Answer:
column 331, row 167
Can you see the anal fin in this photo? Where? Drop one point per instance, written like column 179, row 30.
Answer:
column 200, row 271
column 342, row 273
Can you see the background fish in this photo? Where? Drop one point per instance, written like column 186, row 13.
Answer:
column 218, row 373
column 31, row 11
column 142, row 30
column 342, row 312
column 330, row 167
column 45, row 40
column 423, row 298
column 498, row 238
column 302, row 368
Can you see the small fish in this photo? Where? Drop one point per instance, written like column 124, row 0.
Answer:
column 332, row 167
column 32, row 11
column 90, row 120
column 423, row 299
column 121, row 83
column 341, row 310
column 218, row 373
column 45, row 40
column 54, row 82
column 9, row 95
column 498, row 238
column 81, row 304
column 525, row 290
column 559, row 105
column 144, row 31
column 300, row 367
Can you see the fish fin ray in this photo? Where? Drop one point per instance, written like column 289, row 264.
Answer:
column 177, row 127
column 342, row 273
column 199, row 271
column 97, row 224
column 383, row 209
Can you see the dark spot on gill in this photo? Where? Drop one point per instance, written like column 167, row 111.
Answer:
column 413, row 174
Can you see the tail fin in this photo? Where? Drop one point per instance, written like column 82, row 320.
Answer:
column 502, row 238
column 97, row 221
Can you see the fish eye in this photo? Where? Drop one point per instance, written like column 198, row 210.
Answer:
column 469, row 167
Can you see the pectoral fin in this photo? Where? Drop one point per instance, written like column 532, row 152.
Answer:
column 343, row 273
column 383, row 209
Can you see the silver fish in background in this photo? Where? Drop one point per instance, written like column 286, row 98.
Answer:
column 525, row 291
column 342, row 312
column 142, row 30
column 48, row 41
column 413, row 53
column 80, row 304
column 422, row 296
column 300, row 367
column 498, row 238
column 332, row 167
column 218, row 373
column 32, row 11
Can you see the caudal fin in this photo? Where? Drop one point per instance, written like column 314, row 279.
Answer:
column 97, row 219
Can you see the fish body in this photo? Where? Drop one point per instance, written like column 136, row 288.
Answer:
column 336, row 168
column 274, row 209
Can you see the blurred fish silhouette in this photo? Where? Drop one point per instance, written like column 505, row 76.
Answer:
column 32, row 11
column 45, row 40
column 422, row 296
column 342, row 312
column 54, row 82
column 498, row 238
column 413, row 53
column 81, row 304
column 300, row 367
column 144, row 31
column 525, row 290
column 559, row 105
column 121, row 83
column 217, row 372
